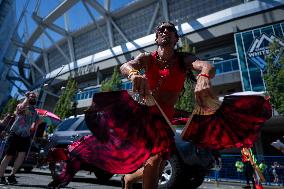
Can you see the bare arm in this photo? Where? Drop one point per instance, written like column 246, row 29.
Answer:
column 204, row 67
column 35, row 125
column 22, row 106
column 203, row 85
column 131, row 71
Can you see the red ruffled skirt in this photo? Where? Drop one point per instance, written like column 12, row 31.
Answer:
column 125, row 134
column 236, row 123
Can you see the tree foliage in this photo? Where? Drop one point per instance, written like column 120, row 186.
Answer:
column 63, row 107
column 113, row 84
column 274, row 76
column 9, row 107
column 186, row 100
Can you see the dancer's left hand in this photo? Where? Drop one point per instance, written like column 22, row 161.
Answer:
column 202, row 90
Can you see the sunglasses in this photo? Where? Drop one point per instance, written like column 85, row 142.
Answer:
column 162, row 29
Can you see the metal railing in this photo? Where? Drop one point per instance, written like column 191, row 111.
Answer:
column 226, row 66
column 229, row 172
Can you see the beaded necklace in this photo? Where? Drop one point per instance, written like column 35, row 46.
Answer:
column 164, row 71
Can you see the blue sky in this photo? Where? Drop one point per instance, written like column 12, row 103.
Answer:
column 77, row 16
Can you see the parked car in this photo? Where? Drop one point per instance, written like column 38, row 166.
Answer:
column 187, row 167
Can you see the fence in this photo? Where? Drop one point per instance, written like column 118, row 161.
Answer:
column 229, row 171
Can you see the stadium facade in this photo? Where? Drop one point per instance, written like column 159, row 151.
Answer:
column 7, row 50
column 233, row 34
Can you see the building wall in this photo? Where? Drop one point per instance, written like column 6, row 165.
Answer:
column 7, row 50
column 134, row 23
column 214, row 43
column 252, row 47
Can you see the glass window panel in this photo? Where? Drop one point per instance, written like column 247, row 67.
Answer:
column 90, row 94
column 256, row 80
column 267, row 30
column 218, row 68
column 65, row 125
column 235, row 64
column 278, row 31
column 82, row 126
column 226, row 66
column 81, row 96
column 244, row 72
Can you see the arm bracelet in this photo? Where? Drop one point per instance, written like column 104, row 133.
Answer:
column 131, row 73
column 204, row 75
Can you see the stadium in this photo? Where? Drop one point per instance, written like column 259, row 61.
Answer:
column 234, row 35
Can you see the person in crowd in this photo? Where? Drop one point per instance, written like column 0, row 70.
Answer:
column 240, row 168
column 275, row 169
column 18, row 141
column 248, row 168
column 217, row 166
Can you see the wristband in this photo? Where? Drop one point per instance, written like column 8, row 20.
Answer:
column 204, row 75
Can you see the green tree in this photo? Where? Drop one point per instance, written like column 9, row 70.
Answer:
column 9, row 107
column 113, row 84
column 274, row 76
column 186, row 100
column 63, row 107
column 186, row 47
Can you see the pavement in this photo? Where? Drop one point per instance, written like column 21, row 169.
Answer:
column 223, row 184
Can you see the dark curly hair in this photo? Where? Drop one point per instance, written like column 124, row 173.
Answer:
column 169, row 25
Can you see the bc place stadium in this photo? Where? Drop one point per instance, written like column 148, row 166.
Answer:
column 234, row 35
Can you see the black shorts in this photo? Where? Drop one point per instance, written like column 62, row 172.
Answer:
column 15, row 143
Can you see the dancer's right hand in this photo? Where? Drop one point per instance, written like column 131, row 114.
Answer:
column 140, row 85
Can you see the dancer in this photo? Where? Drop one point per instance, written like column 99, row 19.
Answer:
column 165, row 73
column 132, row 138
column 163, row 78
column 26, row 119
column 148, row 143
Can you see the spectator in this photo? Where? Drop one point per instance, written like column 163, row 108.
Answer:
column 217, row 166
column 240, row 168
column 18, row 141
column 275, row 169
column 248, row 169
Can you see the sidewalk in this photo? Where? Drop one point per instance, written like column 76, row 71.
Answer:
column 81, row 173
column 233, row 182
